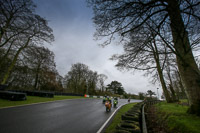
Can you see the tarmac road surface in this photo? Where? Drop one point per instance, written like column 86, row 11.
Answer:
column 67, row 116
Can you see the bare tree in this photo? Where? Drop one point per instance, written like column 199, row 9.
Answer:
column 13, row 18
column 80, row 79
column 41, row 61
column 77, row 78
column 35, row 69
column 101, row 79
column 147, row 55
column 170, row 64
column 114, row 18
column 20, row 28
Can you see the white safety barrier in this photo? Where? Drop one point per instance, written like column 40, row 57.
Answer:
column 94, row 96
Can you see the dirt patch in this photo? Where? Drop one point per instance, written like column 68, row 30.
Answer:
column 154, row 124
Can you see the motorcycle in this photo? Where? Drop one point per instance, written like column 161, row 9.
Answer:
column 115, row 103
column 108, row 106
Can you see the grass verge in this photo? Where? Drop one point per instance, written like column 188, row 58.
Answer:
column 177, row 119
column 117, row 118
column 33, row 99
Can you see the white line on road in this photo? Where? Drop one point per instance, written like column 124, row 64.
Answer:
column 103, row 126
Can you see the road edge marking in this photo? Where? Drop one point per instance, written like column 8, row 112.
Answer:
column 38, row 103
column 103, row 126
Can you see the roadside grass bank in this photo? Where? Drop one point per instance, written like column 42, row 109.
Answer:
column 176, row 118
column 34, row 99
column 117, row 118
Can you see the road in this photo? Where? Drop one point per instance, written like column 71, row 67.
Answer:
column 68, row 116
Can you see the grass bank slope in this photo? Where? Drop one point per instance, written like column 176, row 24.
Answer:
column 177, row 119
column 117, row 118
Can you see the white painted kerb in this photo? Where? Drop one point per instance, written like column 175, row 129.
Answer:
column 103, row 126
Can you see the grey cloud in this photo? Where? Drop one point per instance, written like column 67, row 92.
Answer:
column 73, row 30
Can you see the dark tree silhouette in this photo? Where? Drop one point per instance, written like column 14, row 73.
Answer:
column 19, row 28
column 150, row 93
column 116, row 88
column 176, row 18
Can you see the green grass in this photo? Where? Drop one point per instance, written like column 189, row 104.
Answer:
column 172, row 108
column 117, row 118
column 33, row 99
column 184, row 100
column 177, row 119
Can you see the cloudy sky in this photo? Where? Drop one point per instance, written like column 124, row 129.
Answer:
column 71, row 21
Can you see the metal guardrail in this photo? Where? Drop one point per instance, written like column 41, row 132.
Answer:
column 147, row 103
column 144, row 126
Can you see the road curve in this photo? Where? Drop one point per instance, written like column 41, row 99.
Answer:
column 68, row 116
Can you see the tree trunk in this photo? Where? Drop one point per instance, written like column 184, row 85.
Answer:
column 160, row 73
column 177, row 90
column 183, row 94
column 37, row 77
column 173, row 93
column 162, row 81
column 188, row 68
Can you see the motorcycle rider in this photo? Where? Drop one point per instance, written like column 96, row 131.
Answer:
column 115, row 101
column 129, row 99
column 104, row 99
column 108, row 104
column 109, row 99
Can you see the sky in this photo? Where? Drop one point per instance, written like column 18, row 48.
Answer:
column 73, row 28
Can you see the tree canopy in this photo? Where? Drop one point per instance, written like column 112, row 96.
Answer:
column 20, row 27
column 115, row 87
column 175, row 22
column 80, row 79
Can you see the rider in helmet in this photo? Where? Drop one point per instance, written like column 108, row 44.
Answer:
column 104, row 99
column 109, row 100
column 115, row 101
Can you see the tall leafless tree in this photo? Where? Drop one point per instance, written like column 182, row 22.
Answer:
column 21, row 27
column 145, row 54
column 101, row 79
column 41, row 60
column 177, row 18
